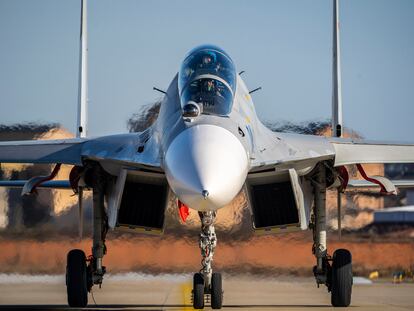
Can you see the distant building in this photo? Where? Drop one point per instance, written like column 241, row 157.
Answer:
column 400, row 215
column 16, row 211
column 402, row 171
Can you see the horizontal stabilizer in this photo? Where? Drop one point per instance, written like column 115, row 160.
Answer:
column 355, row 183
column 57, row 184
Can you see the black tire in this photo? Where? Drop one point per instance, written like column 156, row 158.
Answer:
column 341, row 278
column 198, row 291
column 216, row 291
column 76, row 279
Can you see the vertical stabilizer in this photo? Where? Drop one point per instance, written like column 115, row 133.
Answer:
column 337, row 127
column 81, row 129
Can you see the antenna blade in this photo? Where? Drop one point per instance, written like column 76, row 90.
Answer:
column 337, row 127
column 81, row 130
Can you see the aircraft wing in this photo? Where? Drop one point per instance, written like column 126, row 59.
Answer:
column 283, row 149
column 124, row 149
column 133, row 149
column 281, row 160
column 65, row 151
column 289, row 150
column 353, row 151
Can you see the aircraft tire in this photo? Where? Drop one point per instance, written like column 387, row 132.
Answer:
column 341, row 290
column 76, row 279
column 198, row 291
column 216, row 291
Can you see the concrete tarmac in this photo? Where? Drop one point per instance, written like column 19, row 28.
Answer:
column 134, row 291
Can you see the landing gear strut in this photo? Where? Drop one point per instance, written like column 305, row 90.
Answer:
column 338, row 275
column 81, row 272
column 206, row 282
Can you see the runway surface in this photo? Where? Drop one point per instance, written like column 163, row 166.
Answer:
column 134, row 291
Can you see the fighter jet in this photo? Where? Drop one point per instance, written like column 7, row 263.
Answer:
column 206, row 146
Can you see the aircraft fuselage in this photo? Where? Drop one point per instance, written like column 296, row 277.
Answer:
column 206, row 156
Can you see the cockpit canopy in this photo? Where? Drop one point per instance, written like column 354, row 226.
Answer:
column 208, row 78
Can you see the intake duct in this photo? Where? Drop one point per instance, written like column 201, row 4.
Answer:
column 273, row 205
column 142, row 206
column 277, row 202
column 137, row 201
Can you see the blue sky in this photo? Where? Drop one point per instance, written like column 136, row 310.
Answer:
column 284, row 46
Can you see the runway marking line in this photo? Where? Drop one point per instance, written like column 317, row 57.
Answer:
column 186, row 289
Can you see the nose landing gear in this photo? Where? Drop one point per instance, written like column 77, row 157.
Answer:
column 206, row 282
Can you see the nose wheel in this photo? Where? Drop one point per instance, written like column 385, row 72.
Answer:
column 207, row 284
column 214, row 293
column 198, row 291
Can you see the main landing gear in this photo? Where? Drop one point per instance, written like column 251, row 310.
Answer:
column 335, row 272
column 77, row 280
column 82, row 272
column 206, row 282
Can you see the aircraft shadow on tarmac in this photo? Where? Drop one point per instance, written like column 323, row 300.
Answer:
column 149, row 307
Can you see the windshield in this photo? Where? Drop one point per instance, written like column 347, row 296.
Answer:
column 208, row 78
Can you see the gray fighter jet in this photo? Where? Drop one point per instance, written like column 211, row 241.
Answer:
column 206, row 146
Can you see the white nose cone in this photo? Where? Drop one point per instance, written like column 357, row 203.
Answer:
column 206, row 166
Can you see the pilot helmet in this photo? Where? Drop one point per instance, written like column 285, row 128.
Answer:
column 209, row 58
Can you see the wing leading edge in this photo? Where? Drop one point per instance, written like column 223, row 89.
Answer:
column 123, row 149
column 65, row 151
column 348, row 151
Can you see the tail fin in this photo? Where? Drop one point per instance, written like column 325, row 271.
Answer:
column 336, row 94
column 336, row 76
column 82, row 123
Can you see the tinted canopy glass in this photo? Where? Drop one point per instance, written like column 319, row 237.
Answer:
column 208, row 78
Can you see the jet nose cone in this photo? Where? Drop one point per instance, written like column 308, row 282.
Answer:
column 206, row 166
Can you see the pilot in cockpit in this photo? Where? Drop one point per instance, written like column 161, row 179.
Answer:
column 210, row 86
column 207, row 60
column 208, row 78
